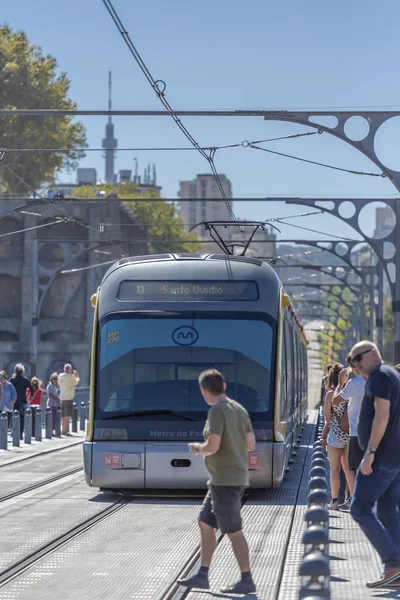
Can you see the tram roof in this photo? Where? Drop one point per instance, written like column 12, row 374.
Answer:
column 242, row 266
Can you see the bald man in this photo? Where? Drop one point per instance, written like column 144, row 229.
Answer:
column 378, row 478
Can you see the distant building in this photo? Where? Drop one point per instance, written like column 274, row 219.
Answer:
column 125, row 176
column 202, row 188
column 86, row 176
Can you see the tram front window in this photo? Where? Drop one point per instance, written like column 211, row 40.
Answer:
column 153, row 364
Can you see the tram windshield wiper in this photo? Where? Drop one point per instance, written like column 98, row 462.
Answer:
column 149, row 412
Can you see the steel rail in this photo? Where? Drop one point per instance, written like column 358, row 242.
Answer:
column 51, row 451
column 30, row 559
column 35, row 486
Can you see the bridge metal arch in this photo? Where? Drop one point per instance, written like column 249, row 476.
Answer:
column 328, row 288
column 374, row 119
column 332, row 319
column 360, row 271
column 321, row 305
column 315, row 304
column 377, row 246
column 365, row 296
column 376, row 287
column 353, row 287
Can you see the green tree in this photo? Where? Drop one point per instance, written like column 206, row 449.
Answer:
column 159, row 219
column 29, row 79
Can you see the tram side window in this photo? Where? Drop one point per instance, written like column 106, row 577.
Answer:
column 289, row 365
column 295, row 372
column 284, row 384
column 304, row 370
column 299, row 367
column 301, row 382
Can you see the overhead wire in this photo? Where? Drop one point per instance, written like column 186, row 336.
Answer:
column 266, row 221
column 292, row 256
column 341, row 238
column 159, row 88
column 32, row 228
column 314, row 162
column 36, row 194
column 244, row 144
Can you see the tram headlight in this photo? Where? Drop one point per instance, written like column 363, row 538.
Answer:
column 110, row 433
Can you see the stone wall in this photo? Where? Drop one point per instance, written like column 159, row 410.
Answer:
column 30, row 268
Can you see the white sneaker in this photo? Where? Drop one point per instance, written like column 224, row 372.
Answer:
column 333, row 505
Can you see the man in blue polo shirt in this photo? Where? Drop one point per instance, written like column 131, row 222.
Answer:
column 378, row 477
column 8, row 396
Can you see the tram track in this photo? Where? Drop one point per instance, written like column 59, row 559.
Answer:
column 19, row 573
column 175, row 592
column 29, row 560
column 23, row 477
column 37, row 454
column 39, row 484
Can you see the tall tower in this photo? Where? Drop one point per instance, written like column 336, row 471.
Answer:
column 109, row 142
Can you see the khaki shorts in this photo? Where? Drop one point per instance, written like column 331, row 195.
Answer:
column 221, row 508
column 67, row 408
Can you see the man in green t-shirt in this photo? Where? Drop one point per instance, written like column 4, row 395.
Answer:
column 228, row 438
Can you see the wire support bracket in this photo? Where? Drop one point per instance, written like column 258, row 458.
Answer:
column 229, row 247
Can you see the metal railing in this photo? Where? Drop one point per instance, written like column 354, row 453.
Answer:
column 39, row 422
column 315, row 569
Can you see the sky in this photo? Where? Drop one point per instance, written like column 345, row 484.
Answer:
column 226, row 54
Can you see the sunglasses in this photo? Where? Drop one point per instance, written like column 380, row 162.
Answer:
column 358, row 357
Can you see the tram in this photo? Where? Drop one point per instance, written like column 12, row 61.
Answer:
column 158, row 322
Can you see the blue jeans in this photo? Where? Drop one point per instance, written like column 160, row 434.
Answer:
column 383, row 530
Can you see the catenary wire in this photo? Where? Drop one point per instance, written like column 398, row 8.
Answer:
column 110, row 243
column 165, row 149
column 159, row 88
column 319, row 164
column 270, row 220
column 38, row 196
column 343, row 239
column 32, row 228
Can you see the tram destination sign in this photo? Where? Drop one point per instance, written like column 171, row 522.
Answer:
column 187, row 291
